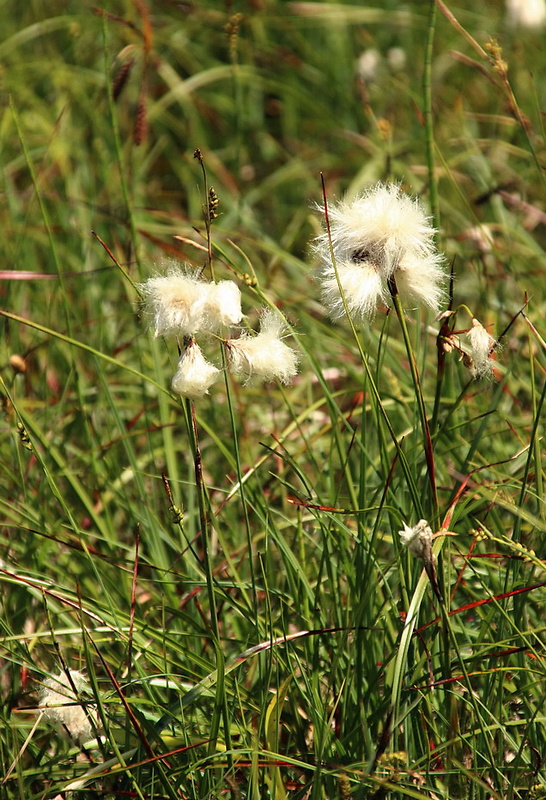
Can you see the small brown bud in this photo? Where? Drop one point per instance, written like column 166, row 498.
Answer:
column 18, row 363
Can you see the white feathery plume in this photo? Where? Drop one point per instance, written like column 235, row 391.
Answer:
column 181, row 304
column 263, row 355
column 482, row 345
column 176, row 302
column 526, row 13
column 417, row 539
column 195, row 375
column 381, row 235
column 222, row 306
column 417, row 281
column 61, row 705
column 362, row 288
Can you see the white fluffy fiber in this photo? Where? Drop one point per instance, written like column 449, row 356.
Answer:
column 382, row 234
column 61, row 705
column 176, row 302
column 482, row 345
column 263, row 355
column 417, row 539
column 181, row 304
column 222, row 306
column 529, row 14
column 362, row 289
column 195, row 375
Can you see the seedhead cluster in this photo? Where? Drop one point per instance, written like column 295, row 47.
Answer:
column 180, row 303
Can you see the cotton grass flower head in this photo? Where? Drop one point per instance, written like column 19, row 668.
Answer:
column 397, row 59
column 181, row 304
column 222, row 306
column 380, row 239
column 530, row 14
column 195, row 375
column 175, row 302
column 482, row 345
column 264, row 355
column 417, row 539
column 61, row 705
column 368, row 65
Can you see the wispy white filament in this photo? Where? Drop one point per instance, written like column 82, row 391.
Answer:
column 381, row 235
column 417, row 539
column 61, row 705
column 181, row 304
column 263, row 355
column 195, row 375
column 482, row 345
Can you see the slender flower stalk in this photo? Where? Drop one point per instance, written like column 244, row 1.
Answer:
column 423, row 416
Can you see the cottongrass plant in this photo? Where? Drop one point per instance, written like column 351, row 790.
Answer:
column 263, row 356
column 61, row 703
column 377, row 240
column 482, row 346
column 243, row 598
column 183, row 305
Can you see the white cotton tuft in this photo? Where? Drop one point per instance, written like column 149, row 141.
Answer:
column 222, row 306
column 61, row 705
column 362, row 289
column 526, row 13
column 263, row 355
column 368, row 65
column 417, row 280
column 482, row 345
column 417, row 539
column 176, row 302
column 381, row 235
column 195, row 375
column 181, row 304
column 397, row 59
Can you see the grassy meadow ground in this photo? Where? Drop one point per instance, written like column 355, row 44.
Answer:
column 263, row 633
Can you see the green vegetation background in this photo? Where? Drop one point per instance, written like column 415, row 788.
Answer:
column 305, row 486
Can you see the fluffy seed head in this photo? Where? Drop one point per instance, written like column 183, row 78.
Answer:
column 526, row 13
column 176, row 302
column 195, row 375
column 368, row 65
column 61, row 705
column 482, row 345
column 181, row 304
column 222, row 306
column 397, row 59
column 417, row 539
column 382, row 234
column 263, row 355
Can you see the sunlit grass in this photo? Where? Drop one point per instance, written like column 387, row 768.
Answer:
column 263, row 633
